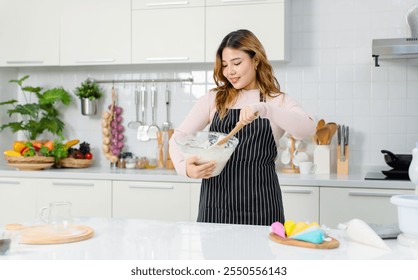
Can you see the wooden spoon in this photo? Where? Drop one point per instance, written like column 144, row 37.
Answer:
column 332, row 127
column 323, row 135
column 321, row 124
column 230, row 134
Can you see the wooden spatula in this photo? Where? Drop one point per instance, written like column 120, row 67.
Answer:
column 332, row 127
column 323, row 135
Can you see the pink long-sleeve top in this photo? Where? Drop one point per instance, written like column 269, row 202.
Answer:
column 284, row 113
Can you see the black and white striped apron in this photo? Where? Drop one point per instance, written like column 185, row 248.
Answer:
column 247, row 191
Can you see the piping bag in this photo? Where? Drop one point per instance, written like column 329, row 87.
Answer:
column 300, row 231
column 358, row 231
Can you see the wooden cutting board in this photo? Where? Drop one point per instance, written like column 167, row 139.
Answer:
column 292, row 242
column 47, row 234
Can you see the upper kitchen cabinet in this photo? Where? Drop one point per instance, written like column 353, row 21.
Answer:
column 95, row 32
column 29, row 32
column 168, row 31
column 267, row 19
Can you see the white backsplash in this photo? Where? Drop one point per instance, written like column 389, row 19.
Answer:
column 331, row 73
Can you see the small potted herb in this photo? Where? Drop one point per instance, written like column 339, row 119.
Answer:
column 89, row 93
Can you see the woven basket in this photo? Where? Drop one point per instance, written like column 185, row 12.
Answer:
column 75, row 163
column 34, row 159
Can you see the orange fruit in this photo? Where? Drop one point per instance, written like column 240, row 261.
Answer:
column 49, row 145
column 18, row 146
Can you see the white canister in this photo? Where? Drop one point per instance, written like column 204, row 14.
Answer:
column 412, row 19
column 322, row 159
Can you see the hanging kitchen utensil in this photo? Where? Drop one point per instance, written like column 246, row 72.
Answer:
column 135, row 124
column 153, row 129
column 142, row 132
column 167, row 125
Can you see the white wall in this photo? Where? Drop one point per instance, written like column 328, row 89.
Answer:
column 331, row 74
column 7, row 92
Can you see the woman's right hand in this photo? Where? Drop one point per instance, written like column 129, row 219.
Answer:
column 199, row 171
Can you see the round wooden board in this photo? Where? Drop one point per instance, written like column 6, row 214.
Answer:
column 292, row 242
column 46, row 234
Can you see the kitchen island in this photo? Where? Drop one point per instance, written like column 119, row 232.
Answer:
column 136, row 239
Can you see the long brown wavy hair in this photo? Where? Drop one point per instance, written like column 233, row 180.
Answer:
column 247, row 42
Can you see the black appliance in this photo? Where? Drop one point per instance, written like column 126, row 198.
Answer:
column 399, row 164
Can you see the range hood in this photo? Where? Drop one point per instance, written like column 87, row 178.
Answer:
column 394, row 48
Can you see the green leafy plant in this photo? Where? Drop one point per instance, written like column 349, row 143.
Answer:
column 37, row 117
column 89, row 89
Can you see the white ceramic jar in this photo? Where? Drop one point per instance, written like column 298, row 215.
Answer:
column 322, row 159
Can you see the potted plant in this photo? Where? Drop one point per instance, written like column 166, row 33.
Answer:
column 89, row 93
column 40, row 112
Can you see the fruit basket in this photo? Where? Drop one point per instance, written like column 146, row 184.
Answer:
column 75, row 163
column 32, row 160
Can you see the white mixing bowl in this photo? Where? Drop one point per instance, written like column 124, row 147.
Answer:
column 200, row 144
column 407, row 213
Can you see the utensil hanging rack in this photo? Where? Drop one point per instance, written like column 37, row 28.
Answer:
column 123, row 81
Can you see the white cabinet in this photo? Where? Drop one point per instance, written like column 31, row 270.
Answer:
column 151, row 200
column 301, row 203
column 21, row 199
column 168, row 31
column 90, row 198
column 95, row 32
column 17, row 200
column 339, row 205
column 194, row 200
column 29, row 32
column 267, row 19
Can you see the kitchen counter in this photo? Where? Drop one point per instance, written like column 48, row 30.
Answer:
column 353, row 180
column 132, row 239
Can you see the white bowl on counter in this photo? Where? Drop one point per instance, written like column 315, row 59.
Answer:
column 407, row 213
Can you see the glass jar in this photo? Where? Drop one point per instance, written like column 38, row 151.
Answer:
column 131, row 162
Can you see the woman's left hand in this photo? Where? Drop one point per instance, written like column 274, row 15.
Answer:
column 247, row 115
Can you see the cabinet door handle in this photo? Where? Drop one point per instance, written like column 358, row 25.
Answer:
column 64, row 184
column 297, row 191
column 371, row 194
column 10, row 182
column 180, row 58
column 236, row 1
column 168, row 4
column 95, row 61
column 151, row 188
column 25, row 62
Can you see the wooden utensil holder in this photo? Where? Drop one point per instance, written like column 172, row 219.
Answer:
column 292, row 168
column 342, row 166
column 160, row 147
column 168, row 162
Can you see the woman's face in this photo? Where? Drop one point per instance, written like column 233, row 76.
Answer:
column 239, row 69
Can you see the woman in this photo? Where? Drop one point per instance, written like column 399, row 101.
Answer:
column 247, row 191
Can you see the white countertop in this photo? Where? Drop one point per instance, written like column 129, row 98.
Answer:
column 130, row 239
column 354, row 179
